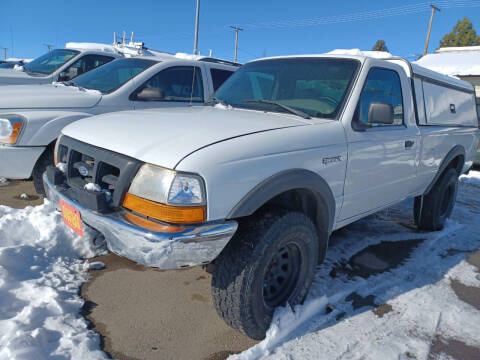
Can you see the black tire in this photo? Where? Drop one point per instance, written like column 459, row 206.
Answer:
column 270, row 247
column 438, row 203
column 45, row 160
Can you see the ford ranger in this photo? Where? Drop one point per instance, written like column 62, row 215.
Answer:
column 32, row 116
column 291, row 149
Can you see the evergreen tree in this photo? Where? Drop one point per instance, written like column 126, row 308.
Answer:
column 380, row 46
column 463, row 34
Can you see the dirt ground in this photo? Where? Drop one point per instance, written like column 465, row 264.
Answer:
column 11, row 194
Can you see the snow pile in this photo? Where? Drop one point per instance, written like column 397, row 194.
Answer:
column 41, row 270
column 358, row 52
column 420, row 305
column 459, row 63
column 472, row 178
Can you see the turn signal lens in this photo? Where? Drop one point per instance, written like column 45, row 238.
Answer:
column 10, row 131
column 167, row 213
column 150, row 225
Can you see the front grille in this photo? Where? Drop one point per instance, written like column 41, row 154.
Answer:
column 109, row 172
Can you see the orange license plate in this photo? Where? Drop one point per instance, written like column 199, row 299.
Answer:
column 71, row 217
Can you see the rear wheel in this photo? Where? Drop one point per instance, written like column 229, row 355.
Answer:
column 437, row 206
column 45, row 160
column 270, row 262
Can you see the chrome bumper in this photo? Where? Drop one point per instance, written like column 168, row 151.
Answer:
column 195, row 245
column 17, row 162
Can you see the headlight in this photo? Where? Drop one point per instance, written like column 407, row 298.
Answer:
column 60, row 152
column 10, row 128
column 167, row 195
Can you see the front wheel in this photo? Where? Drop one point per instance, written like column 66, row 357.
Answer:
column 270, row 262
column 437, row 206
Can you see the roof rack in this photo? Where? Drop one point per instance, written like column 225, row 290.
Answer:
column 219, row 61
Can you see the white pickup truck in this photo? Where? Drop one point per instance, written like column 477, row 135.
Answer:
column 60, row 64
column 291, row 149
column 32, row 116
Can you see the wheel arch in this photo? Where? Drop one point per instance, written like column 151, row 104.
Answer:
column 308, row 188
column 455, row 158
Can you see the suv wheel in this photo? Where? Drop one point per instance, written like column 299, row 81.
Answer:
column 438, row 203
column 270, row 262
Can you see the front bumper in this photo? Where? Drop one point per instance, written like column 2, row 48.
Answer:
column 17, row 162
column 195, row 245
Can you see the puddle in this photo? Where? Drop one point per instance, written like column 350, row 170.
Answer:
column 359, row 301
column 378, row 258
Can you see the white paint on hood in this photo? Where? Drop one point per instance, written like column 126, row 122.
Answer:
column 165, row 136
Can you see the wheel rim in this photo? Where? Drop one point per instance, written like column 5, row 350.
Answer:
column 447, row 199
column 281, row 275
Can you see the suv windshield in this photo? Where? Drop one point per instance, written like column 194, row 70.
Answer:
column 312, row 86
column 109, row 77
column 51, row 61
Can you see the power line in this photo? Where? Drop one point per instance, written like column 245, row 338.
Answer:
column 363, row 15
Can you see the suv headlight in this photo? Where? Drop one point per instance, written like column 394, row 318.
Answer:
column 10, row 128
column 167, row 195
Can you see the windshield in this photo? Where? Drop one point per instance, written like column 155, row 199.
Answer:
column 111, row 76
column 314, row 86
column 51, row 61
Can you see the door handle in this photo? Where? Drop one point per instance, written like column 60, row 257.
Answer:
column 409, row 144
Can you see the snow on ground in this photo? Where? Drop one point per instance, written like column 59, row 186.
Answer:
column 41, row 271
column 419, row 306
column 42, row 267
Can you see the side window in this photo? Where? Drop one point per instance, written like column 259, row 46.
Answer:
column 382, row 86
column 219, row 76
column 178, row 83
column 85, row 64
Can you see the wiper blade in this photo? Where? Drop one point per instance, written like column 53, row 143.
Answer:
column 285, row 107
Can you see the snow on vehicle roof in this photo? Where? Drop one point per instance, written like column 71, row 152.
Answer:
column 91, row 46
column 358, row 52
column 455, row 61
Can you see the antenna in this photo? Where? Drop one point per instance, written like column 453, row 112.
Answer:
column 49, row 46
column 123, row 37
column 115, row 38
column 132, row 37
column 237, row 29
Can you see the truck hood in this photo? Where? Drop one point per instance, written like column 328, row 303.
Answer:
column 15, row 77
column 164, row 137
column 46, row 97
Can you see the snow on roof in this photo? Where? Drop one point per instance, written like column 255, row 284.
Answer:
column 453, row 61
column 91, row 46
column 358, row 52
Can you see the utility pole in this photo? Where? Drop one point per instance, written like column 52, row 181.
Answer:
column 430, row 27
column 4, row 52
column 49, row 46
column 237, row 29
column 197, row 23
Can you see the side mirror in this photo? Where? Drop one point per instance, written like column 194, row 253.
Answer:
column 380, row 113
column 68, row 75
column 150, row 94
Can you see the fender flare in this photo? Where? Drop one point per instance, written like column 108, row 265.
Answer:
column 456, row 151
column 285, row 181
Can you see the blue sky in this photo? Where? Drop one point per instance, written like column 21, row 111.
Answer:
column 271, row 27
